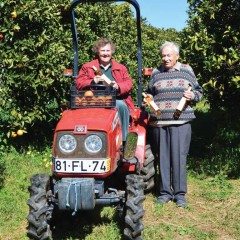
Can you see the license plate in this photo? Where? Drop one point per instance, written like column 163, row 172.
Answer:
column 82, row 166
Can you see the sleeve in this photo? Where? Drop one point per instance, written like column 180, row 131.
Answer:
column 150, row 88
column 85, row 77
column 125, row 84
column 198, row 92
column 196, row 88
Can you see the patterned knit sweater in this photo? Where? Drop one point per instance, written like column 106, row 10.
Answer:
column 167, row 87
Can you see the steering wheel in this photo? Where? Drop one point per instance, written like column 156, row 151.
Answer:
column 98, row 87
column 95, row 87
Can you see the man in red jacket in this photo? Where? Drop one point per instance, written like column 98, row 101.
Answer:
column 116, row 72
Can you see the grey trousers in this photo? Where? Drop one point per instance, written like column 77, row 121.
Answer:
column 174, row 142
column 124, row 117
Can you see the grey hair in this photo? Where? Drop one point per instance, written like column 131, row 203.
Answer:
column 102, row 42
column 172, row 45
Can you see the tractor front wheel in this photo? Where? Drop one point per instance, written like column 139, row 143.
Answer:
column 134, row 207
column 40, row 210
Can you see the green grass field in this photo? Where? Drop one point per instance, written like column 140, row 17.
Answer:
column 213, row 212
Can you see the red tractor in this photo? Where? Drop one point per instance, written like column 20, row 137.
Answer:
column 90, row 166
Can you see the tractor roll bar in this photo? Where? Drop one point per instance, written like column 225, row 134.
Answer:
column 139, row 40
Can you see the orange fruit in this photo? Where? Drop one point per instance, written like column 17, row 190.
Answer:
column 13, row 134
column 20, row 132
column 14, row 14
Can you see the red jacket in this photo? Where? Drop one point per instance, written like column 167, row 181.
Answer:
column 119, row 73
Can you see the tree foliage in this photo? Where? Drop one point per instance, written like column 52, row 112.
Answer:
column 212, row 45
column 36, row 46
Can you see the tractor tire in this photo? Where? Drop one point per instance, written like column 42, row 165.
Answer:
column 40, row 210
column 148, row 170
column 134, row 207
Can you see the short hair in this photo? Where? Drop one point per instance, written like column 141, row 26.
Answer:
column 172, row 45
column 101, row 42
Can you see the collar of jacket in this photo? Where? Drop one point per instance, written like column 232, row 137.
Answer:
column 115, row 65
column 177, row 67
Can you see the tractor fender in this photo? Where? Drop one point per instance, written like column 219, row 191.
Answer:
column 141, row 143
column 139, row 126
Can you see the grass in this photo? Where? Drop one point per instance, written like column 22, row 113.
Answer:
column 213, row 211
column 208, row 216
column 14, row 194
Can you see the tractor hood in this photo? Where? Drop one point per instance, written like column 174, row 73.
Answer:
column 100, row 119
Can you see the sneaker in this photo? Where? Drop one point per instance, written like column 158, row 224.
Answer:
column 181, row 203
column 163, row 199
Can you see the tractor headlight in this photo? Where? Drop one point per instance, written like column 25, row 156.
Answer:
column 93, row 144
column 67, row 143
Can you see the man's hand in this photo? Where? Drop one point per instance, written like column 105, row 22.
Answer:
column 189, row 95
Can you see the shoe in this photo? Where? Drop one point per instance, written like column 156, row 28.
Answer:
column 181, row 203
column 163, row 199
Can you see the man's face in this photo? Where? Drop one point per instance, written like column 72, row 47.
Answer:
column 169, row 57
column 105, row 54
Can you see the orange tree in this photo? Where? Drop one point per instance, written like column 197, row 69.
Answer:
column 34, row 50
column 212, row 45
column 36, row 46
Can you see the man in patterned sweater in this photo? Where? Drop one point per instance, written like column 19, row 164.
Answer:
column 171, row 135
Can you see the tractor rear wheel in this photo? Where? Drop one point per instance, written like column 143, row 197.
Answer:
column 134, row 207
column 40, row 210
column 148, row 170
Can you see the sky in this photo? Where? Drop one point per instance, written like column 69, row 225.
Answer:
column 165, row 13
